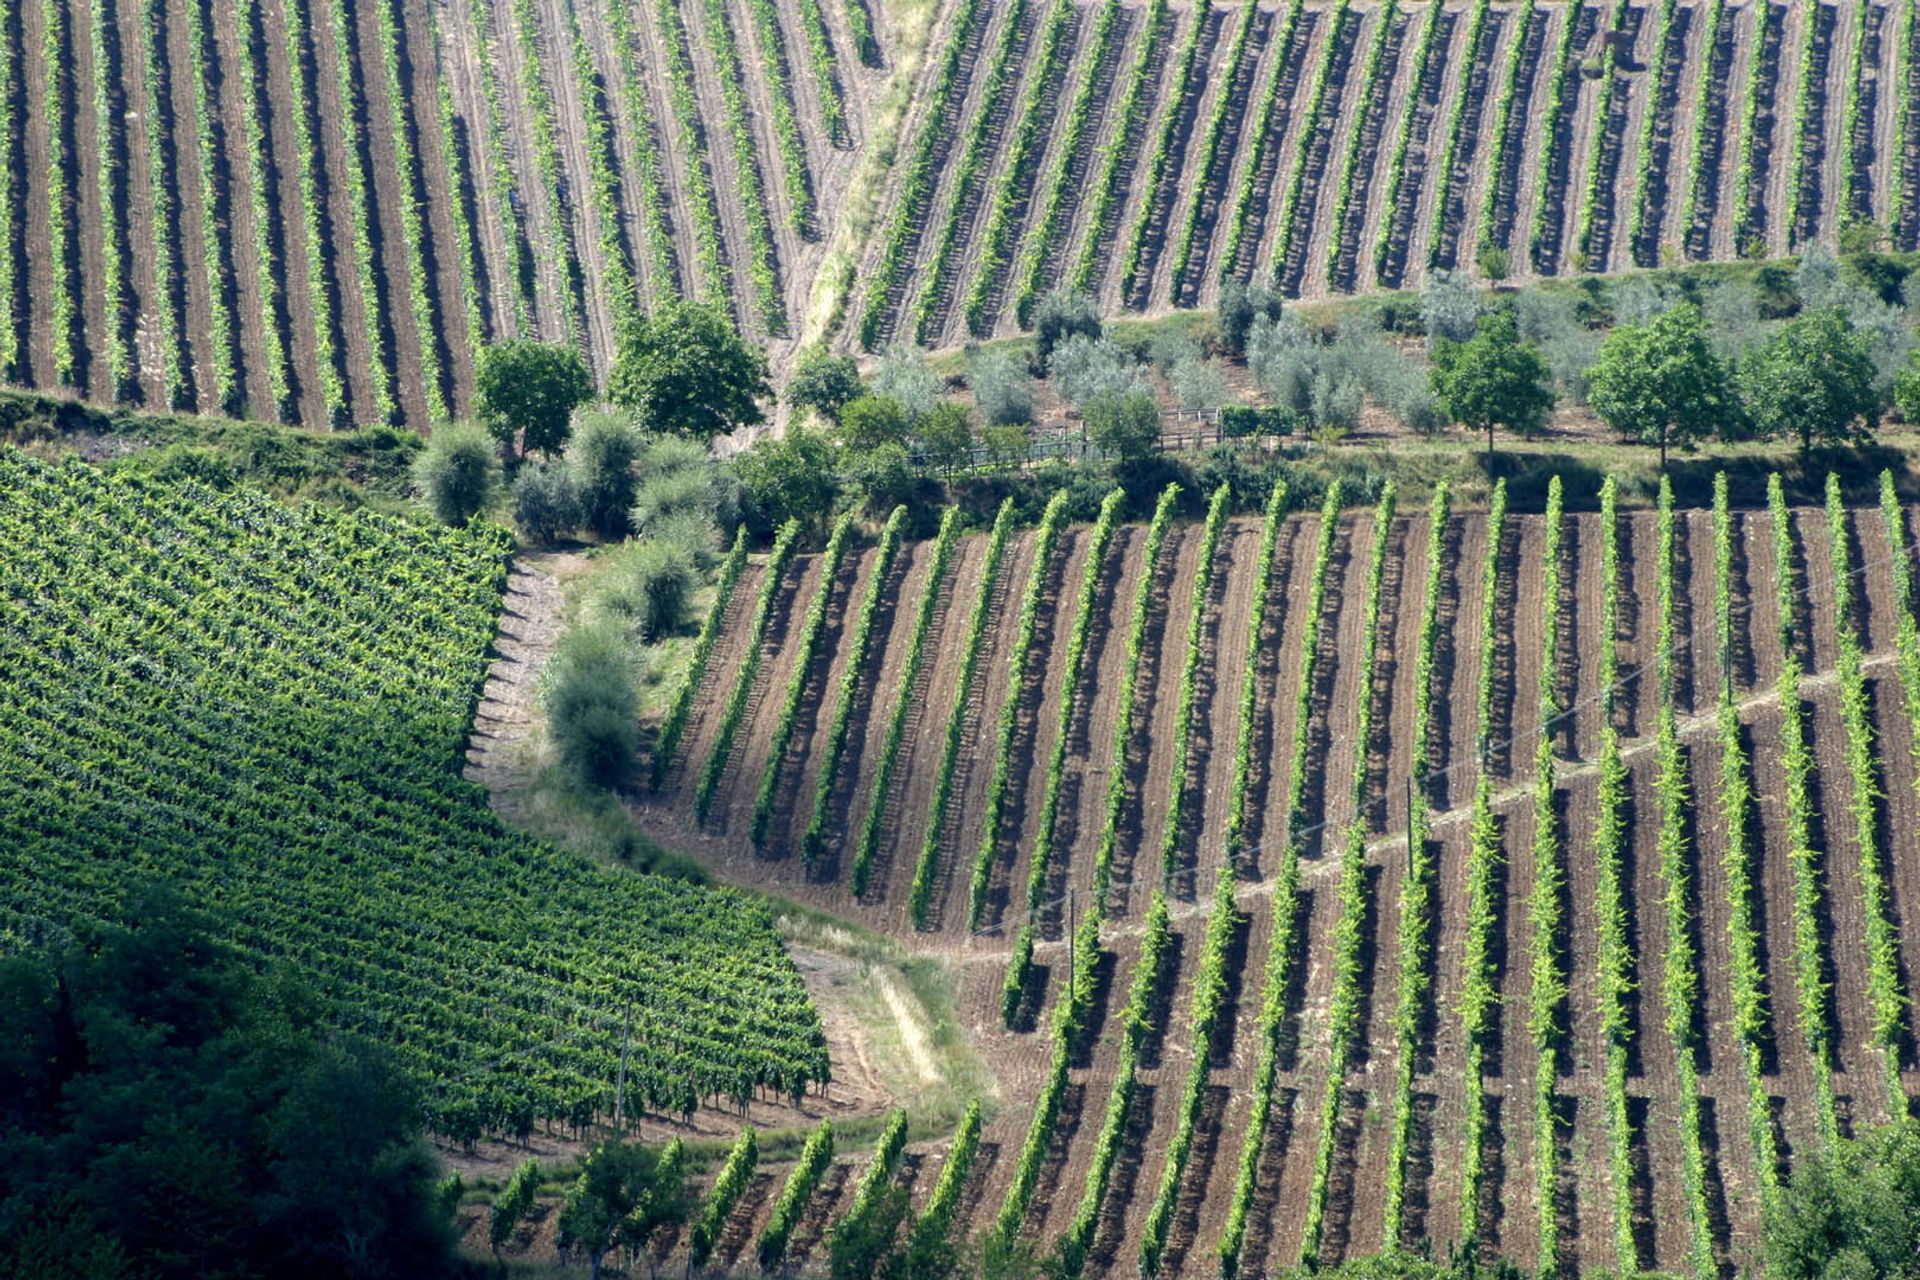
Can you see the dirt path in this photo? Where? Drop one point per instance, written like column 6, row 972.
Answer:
column 286, row 207
column 30, row 71
column 569, row 106
column 227, row 91
column 440, row 251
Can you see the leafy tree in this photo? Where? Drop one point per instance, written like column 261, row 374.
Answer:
column 1062, row 314
column 905, row 375
column 1008, row 445
column 1449, row 308
column 593, row 712
column 824, row 382
column 1813, row 379
column 787, row 478
column 1906, row 390
column 873, row 421
column 168, row 1111
column 1002, row 388
column 647, row 587
column 687, row 371
column 1852, row 1212
column 884, row 475
column 1083, row 367
column 528, row 390
column 1660, row 382
column 625, row 1193
column 946, row 435
column 1241, row 305
column 1493, row 379
column 1197, row 383
column 602, row 455
column 458, row 473
column 546, row 504
column 1124, row 423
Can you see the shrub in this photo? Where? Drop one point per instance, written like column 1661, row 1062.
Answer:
column 458, row 473
column 1001, row 388
column 546, row 503
column 824, row 382
column 647, row 588
column 1061, row 315
column 592, row 710
column 1124, row 423
column 1083, row 366
column 602, row 454
column 1197, row 383
column 904, row 375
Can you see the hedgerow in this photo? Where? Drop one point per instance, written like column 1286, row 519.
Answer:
column 1416, row 897
column 928, row 865
column 1250, row 688
column 735, row 1174
column 810, row 632
column 869, row 840
column 815, row 1158
column 1796, row 761
column 1051, row 224
column 1189, row 679
column 1343, row 1017
column 1209, row 1004
column 1015, row 183
column 677, row 716
column 1069, row 696
column 784, row 546
column 813, row 843
column 1044, row 542
column 1135, row 1025
column 1129, row 680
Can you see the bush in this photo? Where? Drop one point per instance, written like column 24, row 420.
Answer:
column 602, row 455
column 1241, row 306
column 1124, row 423
column 458, row 474
column 1001, row 388
column 1061, row 315
column 647, row 588
column 884, row 475
column 1083, row 367
column 789, row 478
column 592, row 710
column 1197, row 383
column 904, row 375
column 825, row 383
column 678, row 496
column 546, row 504
column 873, row 421
column 1449, row 307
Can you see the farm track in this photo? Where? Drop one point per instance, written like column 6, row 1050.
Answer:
column 1583, row 1194
column 466, row 206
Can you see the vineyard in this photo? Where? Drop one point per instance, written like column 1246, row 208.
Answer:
column 1536, row 883
column 212, row 692
column 318, row 210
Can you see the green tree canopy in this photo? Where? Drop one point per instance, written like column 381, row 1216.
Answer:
column 1124, row 423
column 824, row 382
column 872, row 421
column 1814, row 379
column 946, row 435
column 1852, row 1213
column 791, row 477
column 528, row 390
column 457, row 473
column 625, row 1193
column 166, row 1111
column 687, row 371
column 1493, row 379
column 1659, row 382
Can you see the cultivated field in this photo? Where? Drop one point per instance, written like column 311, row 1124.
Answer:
column 1653, row 940
column 317, row 210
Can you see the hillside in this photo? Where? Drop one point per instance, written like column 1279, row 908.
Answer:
column 1652, row 945
column 266, row 708
column 318, row 210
